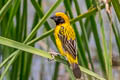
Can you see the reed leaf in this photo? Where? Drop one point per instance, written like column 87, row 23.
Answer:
column 29, row 49
column 5, row 9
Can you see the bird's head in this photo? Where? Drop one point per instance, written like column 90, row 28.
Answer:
column 60, row 18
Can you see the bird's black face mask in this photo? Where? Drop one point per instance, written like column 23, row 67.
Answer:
column 58, row 19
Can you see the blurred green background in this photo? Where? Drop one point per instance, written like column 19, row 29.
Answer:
column 26, row 27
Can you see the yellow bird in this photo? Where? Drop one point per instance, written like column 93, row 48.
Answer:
column 66, row 41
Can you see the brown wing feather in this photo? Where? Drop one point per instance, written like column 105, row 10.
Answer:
column 68, row 45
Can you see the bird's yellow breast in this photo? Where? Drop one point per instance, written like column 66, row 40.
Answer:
column 66, row 30
column 58, row 41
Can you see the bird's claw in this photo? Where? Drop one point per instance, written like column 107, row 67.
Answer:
column 53, row 54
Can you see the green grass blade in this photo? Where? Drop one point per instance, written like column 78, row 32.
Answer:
column 29, row 43
column 115, row 33
column 5, row 9
column 116, row 6
column 56, row 70
column 12, row 14
column 91, row 73
column 30, row 56
column 97, row 39
column 44, row 35
column 18, row 25
column 86, row 14
column 21, row 46
column 98, row 45
column 105, row 53
column 6, row 60
column 88, row 28
column 84, row 34
column 41, row 14
column 110, row 76
column 24, row 21
column 70, row 72
column 24, row 57
column 6, row 68
column 43, row 20
column 16, row 66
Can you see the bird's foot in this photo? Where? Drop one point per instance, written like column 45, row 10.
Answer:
column 53, row 54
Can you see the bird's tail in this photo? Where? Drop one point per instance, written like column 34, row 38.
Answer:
column 76, row 70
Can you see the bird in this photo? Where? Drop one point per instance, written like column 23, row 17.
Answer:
column 66, row 41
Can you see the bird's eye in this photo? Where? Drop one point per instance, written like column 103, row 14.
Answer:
column 59, row 18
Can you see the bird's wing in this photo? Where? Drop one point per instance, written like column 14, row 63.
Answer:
column 68, row 45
